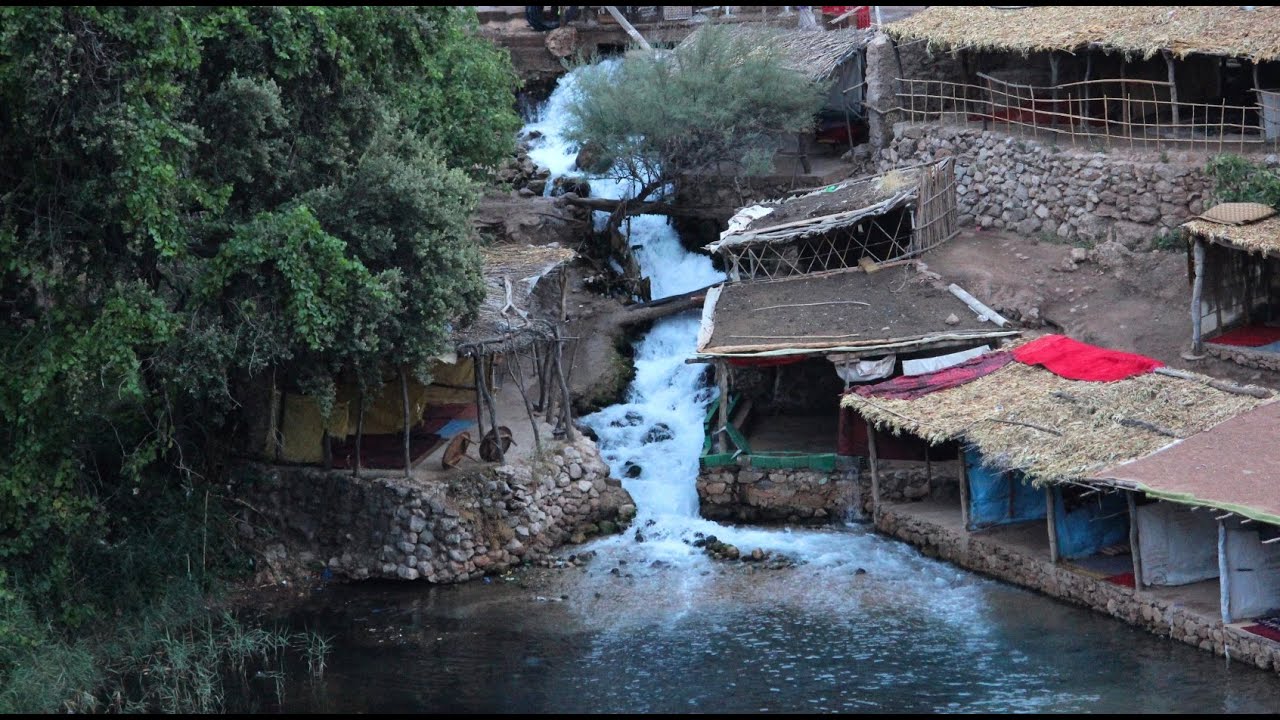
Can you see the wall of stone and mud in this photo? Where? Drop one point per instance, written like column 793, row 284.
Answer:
column 438, row 528
column 1164, row 617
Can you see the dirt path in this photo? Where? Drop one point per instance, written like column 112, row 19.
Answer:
column 1136, row 302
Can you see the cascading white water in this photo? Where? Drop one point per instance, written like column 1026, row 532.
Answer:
column 653, row 440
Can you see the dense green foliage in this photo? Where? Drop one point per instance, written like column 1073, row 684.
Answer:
column 192, row 198
column 717, row 103
column 1236, row 179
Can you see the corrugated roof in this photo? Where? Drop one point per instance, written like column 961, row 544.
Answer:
column 1232, row 466
column 1133, row 29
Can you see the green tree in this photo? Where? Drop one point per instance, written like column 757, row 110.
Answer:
column 721, row 102
column 190, row 197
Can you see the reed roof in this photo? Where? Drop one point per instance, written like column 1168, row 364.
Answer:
column 1257, row 237
column 1134, row 30
column 514, row 269
column 1026, row 418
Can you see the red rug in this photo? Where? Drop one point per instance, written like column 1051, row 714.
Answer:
column 1075, row 360
column 910, row 387
column 1248, row 336
column 1123, row 579
column 1263, row 631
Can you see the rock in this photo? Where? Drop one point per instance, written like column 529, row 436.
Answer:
column 608, row 528
column 952, row 319
column 407, row 573
column 584, row 485
column 1079, row 255
column 657, row 433
column 756, row 555
column 590, row 159
column 417, row 524
column 526, row 193
column 575, row 472
column 626, row 512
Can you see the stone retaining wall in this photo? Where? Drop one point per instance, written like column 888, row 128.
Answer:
column 744, row 494
column 1162, row 617
column 447, row 530
column 1070, row 194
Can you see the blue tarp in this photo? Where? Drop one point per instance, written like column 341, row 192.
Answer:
column 1093, row 523
column 1000, row 497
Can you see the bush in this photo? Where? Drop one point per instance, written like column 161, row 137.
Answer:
column 1236, row 179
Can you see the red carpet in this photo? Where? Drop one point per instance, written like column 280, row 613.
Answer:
column 1075, row 360
column 910, row 387
column 1263, row 631
column 1248, row 336
column 1123, row 579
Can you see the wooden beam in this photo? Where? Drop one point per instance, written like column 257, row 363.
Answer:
column 355, row 466
column 977, row 306
column 635, row 34
column 1134, row 546
column 1173, row 84
column 874, row 460
column 566, row 399
column 1197, row 289
column 1224, row 575
column 1051, row 518
column 477, row 368
column 404, row 405
column 722, row 415
column 964, row 490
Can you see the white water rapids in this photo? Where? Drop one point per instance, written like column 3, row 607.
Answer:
column 654, row 439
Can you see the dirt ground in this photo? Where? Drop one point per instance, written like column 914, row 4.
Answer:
column 1137, row 302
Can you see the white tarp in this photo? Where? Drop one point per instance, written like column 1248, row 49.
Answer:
column 924, row 366
column 851, row 369
column 1253, row 574
column 1177, row 546
column 744, row 218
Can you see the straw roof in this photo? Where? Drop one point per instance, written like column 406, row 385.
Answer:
column 518, row 267
column 1057, row 430
column 1230, row 467
column 847, row 312
column 1258, row 237
column 814, row 53
column 824, row 209
column 1136, row 30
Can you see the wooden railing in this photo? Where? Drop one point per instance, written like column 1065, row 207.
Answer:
column 1097, row 113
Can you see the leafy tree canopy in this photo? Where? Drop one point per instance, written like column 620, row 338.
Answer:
column 190, row 196
column 718, row 102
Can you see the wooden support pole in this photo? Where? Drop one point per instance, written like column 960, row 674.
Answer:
column 1135, row 549
column 928, row 473
column 1051, row 517
column 566, row 400
column 1197, row 288
column 544, row 384
column 722, row 415
column 477, row 367
column 964, row 489
column 483, row 382
column 630, row 30
column 517, row 373
column 326, row 448
column 355, row 466
column 1224, row 575
column 404, row 405
column 537, row 375
column 1173, row 86
column 874, row 460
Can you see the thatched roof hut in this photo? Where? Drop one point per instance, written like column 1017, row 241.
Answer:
column 885, row 217
column 1026, row 418
column 509, row 312
column 1261, row 237
column 1142, row 31
column 855, row 313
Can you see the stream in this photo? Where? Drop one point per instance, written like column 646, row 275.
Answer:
column 854, row 622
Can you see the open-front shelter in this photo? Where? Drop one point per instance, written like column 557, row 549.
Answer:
column 1025, row 423
column 1234, row 265
column 878, row 219
column 785, row 349
column 405, row 419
